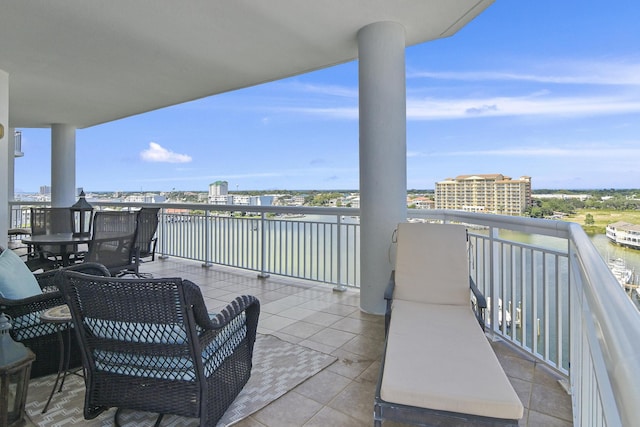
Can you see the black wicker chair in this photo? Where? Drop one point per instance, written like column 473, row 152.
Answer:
column 113, row 241
column 40, row 337
column 149, row 345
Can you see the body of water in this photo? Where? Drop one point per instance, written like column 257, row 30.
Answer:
column 631, row 258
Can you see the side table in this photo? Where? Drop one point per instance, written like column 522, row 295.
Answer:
column 60, row 316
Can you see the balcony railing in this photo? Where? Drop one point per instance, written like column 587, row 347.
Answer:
column 551, row 293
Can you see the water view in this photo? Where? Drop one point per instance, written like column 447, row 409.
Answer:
column 629, row 257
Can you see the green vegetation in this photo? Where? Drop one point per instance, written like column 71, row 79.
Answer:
column 602, row 208
column 321, row 199
column 602, row 217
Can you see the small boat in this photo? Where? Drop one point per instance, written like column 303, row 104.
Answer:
column 500, row 311
column 622, row 273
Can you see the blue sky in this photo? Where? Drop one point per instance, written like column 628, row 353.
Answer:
column 548, row 89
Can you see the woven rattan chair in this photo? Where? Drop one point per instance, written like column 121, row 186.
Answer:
column 113, row 241
column 146, row 239
column 149, row 345
column 40, row 337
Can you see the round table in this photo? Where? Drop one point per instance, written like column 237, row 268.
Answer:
column 63, row 240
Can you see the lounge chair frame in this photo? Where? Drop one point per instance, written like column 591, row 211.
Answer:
column 384, row 410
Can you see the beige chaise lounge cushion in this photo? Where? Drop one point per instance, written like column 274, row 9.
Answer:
column 431, row 263
column 438, row 357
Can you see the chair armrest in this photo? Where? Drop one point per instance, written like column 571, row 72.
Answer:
column 154, row 243
column 481, row 300
column 480, row 303
column 231, row 317
column 36, row 260
column 247, row 303
column 33, row 304
column 388, row 295
column 388, row 292
column 48, row 280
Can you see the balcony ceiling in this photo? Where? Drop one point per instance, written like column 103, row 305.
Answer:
column 83, row 63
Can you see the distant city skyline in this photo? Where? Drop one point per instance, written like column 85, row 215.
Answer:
column 544, row 89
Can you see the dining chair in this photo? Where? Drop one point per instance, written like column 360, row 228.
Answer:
column 46, row 220
column 113, row 241
column 146, row 239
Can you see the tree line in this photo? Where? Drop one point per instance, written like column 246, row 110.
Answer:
column 619, row 201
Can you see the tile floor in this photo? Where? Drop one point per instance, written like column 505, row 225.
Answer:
column 315, row 316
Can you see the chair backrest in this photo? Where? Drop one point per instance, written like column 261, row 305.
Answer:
column 147, row 226
column 135, row 327
column 51, row 221
column 432, row 264
column 109, row 223
column 113, row 240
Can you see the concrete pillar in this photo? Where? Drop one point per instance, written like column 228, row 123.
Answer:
column 4, row 158
column 383, row 154
column 63, row 165
column 11, row 141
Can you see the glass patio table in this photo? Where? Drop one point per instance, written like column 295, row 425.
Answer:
column 64, row 241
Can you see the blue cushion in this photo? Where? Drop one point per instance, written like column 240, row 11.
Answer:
column 162, row 367
column 16, row 281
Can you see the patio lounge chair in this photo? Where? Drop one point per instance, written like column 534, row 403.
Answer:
column 24, row 303
column 438, row 367
column 149, row 345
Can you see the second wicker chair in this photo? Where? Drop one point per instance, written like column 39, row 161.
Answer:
column 149, row 345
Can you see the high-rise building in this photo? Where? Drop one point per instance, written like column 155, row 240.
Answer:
column 216, row 189
column 493, row 193
column 45, row 189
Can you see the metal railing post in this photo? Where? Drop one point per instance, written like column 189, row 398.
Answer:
column 263, row 247
column 163, row 235
column 207, row 240
column 494, row 263
column 340, row 287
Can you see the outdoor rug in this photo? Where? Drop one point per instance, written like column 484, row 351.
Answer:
column 278, row 366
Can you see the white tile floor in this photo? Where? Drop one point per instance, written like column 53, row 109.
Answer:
column 315, row 316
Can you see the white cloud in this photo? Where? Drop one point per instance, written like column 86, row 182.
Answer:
column 627, row 151
column 540, row 103
column 552, row 89
column 615, row 72
column 157, row 153
column 256, row 175
column 326, row 89
column 528, row 105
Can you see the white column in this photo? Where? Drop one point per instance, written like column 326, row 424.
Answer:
column 11, row 143
column 63, row 165
column 4, row 158
column 383, row 154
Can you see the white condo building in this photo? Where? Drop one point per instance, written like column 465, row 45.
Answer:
column 492, row 193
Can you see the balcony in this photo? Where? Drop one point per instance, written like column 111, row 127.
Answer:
column 313, row 315
column 557, row 317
